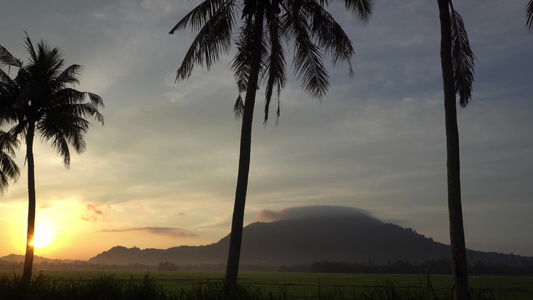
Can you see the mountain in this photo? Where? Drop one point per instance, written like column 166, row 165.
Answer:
column 15, row 258
column 307, row 239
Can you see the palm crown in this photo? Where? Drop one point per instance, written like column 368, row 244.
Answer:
column 304, row 23
column 42, row 95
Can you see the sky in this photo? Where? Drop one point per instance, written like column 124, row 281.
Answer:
column 162, row 170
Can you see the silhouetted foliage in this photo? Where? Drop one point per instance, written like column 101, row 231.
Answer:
column 41, row 101
column 167, row 266
column 440, row 266
column 8, row 168
column 529, row 15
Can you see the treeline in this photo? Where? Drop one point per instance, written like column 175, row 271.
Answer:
column 10, row 266
column 74, row 265
column 441, row 266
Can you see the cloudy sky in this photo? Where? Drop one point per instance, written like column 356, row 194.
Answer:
column 162, row 171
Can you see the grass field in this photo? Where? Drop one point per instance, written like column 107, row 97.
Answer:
column 322, row 286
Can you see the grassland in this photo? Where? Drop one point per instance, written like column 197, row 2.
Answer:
column 319, row 286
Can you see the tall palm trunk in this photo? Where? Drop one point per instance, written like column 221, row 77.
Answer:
column 232, row 267
column 457, row 237
column 28, row 259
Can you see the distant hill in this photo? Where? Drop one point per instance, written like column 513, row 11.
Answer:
column 15, row 258
column 337, row 238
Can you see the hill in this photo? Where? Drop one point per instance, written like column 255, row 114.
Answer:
column 15, row 258
column 349, row 238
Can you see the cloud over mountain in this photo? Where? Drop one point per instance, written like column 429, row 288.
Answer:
column 301, row 212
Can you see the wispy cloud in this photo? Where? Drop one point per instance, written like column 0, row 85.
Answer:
column 96, row 212
column 166, row 231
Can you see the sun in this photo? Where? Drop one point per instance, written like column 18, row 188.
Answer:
column 44, row 235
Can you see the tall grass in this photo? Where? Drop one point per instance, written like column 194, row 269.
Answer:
column 102, row 288
column 110, row 287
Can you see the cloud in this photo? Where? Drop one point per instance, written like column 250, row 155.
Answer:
column 165, row 231
column 96, row 212
column 308, row 211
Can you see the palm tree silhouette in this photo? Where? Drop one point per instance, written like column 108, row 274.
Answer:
column 265, row 26
column 457, row 62
column 48, row 105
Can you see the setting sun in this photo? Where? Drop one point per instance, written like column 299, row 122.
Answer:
column 44, row 235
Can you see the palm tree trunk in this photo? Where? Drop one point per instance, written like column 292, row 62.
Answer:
column 28, row 259
column 232, row 267
column 457, row 237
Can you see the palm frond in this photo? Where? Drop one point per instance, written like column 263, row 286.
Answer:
column 362, row 9
column 275, row 62
column 242, row 61
column 5, row 79
column 463, row 59
column 307, row 62
column 213, row 39
column 45, row 62
column 66, row 96
column 64, row 126
column 69, row 76
column 96, row 102
column 330, row 35
column 29, row 47
column 8, row 168
column 201, row 14
column 8, row 143
column 8, row 94
column 529, row 15
column 238, row 108
column 8, row 59
column 60, row 144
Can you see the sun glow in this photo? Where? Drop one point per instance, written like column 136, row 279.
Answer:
column 44, row 235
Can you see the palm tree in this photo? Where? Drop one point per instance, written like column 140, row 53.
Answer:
column 260, row 58
column 457, row 62
column 48, row 105
column 529, row 15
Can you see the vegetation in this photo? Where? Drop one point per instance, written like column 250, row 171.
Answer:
column 41, row 100
column 185, row 285
column 439, row 266
column 8, row 168
column 457, row 61
column 260, row 57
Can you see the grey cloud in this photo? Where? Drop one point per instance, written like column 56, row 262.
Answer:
column 309, row 211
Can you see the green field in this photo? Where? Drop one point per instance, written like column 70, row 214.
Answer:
column 319, row 286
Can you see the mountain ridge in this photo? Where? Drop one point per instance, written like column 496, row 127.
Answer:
column 339, row 238
column 303, row 235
